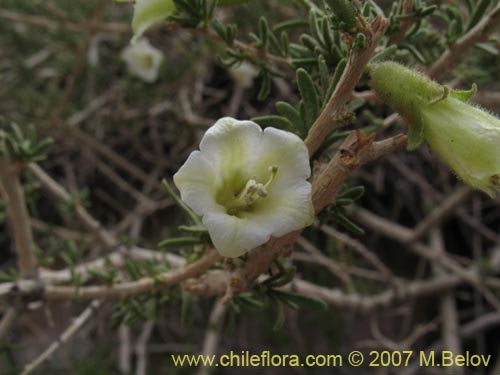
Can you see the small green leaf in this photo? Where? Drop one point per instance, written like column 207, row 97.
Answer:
column 300, row 300
column 415, row 52
column 273, row 120
column 280, row 318
column 282, row 280
column 263, row 32
column 231, row 31
column 339, row 70
column 265, row 88
column 309, row 95
column 323, row 71
column 180, row 241
column 343, row 201
column 193, row 229
column 288, row 111
column 285, row 44
column 488, row 48
column 309, row 42
column 219, row 28
column 132, row 269
column 210, row 8
column 353, row 193
column 186, row 308
column 385, row 54
column 346, row 13
column 342, row 220
column 291, row 24
column 248, row 300
column 424, row 12
column 479, row 11
column 359, row 41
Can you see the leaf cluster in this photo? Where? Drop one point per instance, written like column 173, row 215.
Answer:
column 23, row 145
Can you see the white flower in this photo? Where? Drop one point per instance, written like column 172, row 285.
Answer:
column 243, row 74
column 247, row 184
column 143, row 60
column 149, row 12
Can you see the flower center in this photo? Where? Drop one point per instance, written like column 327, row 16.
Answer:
column 146, row 61
column 252, row 192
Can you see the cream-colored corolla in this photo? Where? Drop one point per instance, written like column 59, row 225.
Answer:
column 143, row 60
column 465, row 136
column 468, row 139
column 248, row 184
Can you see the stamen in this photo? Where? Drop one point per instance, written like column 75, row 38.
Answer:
column 274, row 171
column 251, row 193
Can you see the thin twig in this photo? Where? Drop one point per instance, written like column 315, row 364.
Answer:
column 142, row 285
column 18, row 216
column 457, row 51
column 8, row 319
column 450, row 331
column 92, row 225
column 141, row 348
column 404, row 235
column 212, row 336
column 366, row 304
column 441, row 212
column 68, row 333
column 349, row 79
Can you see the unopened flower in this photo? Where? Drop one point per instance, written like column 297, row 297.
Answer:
column 248, row 184
column 149, row 12
column 466, row 137
column 243, row 74
column 143, row 60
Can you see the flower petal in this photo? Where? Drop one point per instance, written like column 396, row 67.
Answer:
column 241, row 148
column 231, row 146
column 197, row 181
column 233, row 236
column 229, row 142
column 289, row 153
column 285, row 210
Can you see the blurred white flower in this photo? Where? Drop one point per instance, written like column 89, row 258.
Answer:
column 243, row 74
column 149, row 12
column 247, row 184
column 143, row 60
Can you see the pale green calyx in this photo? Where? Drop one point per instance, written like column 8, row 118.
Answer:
column 149, row 12
column 248, row 184
column 466, row 137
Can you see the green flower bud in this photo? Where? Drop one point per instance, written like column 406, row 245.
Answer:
column 466, row 137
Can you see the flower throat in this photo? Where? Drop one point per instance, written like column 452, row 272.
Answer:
column 252, row 192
